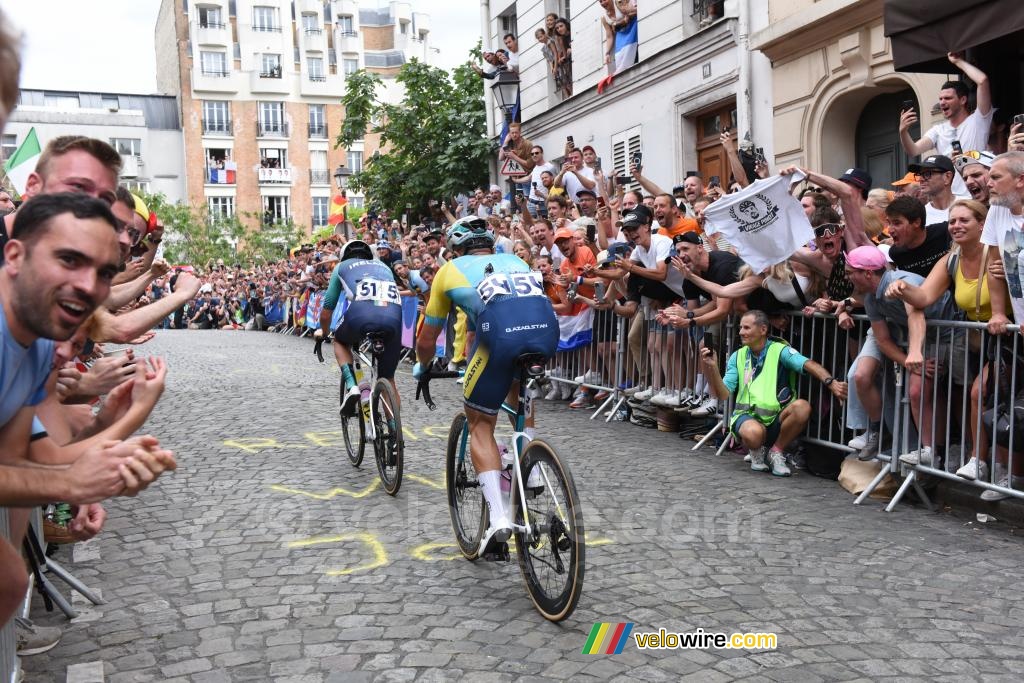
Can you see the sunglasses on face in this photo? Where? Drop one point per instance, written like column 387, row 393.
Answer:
column 827, row 229
column 815, row 189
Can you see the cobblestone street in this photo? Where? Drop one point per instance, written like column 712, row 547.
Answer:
column 267, row 556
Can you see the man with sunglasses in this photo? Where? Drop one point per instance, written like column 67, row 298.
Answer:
column 973, row 167
column 937, row 174
column 538, row 193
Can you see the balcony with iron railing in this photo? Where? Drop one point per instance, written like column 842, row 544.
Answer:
column 274, row 176
column 210, row 33
column 319, row 176
column 266, row 28
column 214, row 79
column 318, row 131
column 216, row 127
column 269, row 81
column 272, row 129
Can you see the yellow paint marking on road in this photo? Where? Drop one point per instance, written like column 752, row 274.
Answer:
column 380, row 555
column 424, row 480
column 327, row 439
column 333, row 493
column 430, row 429
column 426, row 554
column 256, row 445
column 411, row 434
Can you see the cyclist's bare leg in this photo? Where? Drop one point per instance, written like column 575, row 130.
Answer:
column 342, row 353
column 483, row 449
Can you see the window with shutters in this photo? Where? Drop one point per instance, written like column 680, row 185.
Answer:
column 624, row 145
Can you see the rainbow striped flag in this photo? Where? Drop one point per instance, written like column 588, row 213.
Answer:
column 607, row 639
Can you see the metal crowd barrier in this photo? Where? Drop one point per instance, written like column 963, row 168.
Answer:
column 635, row 352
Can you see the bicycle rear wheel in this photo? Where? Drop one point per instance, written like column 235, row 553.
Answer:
column 465, row 497
column 389, row 443
column 353, row 430
column 552, row 559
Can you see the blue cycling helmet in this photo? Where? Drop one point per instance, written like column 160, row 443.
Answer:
column 471, row 232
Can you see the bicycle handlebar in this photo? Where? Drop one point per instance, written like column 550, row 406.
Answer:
column 423, row 384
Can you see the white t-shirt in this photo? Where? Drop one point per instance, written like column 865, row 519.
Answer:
column 933, row 215
column 573, row 185
column 656, row 253
column 763, row 221
column 1006, row 231
column 972, row 134
column 538, row 192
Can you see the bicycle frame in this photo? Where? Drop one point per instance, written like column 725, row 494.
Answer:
column 370, row 363
column 518, row 436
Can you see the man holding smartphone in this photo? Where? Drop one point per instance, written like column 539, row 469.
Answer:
column 971, row 129
column 538, row 190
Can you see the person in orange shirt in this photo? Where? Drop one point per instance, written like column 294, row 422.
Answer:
column 673, row 222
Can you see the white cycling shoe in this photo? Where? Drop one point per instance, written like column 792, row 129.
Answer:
column 499, row 531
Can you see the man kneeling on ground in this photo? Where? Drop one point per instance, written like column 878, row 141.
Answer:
column 767, row 415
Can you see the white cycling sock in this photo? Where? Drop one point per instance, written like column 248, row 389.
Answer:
column 490, row 481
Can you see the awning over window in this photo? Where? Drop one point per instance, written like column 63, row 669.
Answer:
column 923, row 32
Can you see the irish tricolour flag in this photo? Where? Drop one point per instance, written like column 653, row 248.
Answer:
column 23, row 161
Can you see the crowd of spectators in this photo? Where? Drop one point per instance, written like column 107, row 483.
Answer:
column 77, row 252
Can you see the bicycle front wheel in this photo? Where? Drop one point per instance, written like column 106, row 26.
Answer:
column 353, row 430
column 551, row 558
column 465, row 497
column 389, row 443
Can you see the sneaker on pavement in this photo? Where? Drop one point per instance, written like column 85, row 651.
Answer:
column 858, row 442
column 554, row 393
column 796, row 461
column 870, row 448
column 662, row 399
column 32, row 639
column 778, row 464
column 709, row 406
column 747, row 457
column 991, row 495
column 757, row 463
column 601, row 395
column 973, row 470
column 921, row 456
column 644, row 395
column 582, row 401
column 567, row 391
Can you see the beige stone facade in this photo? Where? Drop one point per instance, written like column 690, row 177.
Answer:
column 833, row 85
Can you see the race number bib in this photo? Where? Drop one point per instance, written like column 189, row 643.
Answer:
column 512, row 284
column 379, row 292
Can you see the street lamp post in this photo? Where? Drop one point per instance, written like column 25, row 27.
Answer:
column 506, row 92
column 341, row 175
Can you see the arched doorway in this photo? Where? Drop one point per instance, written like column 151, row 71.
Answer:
column 877, row 141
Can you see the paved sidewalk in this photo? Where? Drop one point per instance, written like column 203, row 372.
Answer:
column 267, row 556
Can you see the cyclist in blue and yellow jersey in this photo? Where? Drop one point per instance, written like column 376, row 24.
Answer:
column 508, row 315
column 370, row 304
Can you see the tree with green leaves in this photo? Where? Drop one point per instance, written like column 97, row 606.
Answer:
column 434, row 142
column 193, row 237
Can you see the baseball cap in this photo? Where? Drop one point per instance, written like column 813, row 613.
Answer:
column 383, row 245
column 911, row 177
column 639, row 215
column 585, row 191
column 687, row 237
column 495, row 188
column 866, row 258
column 564, row 234
column 936, row 162
column 973, row 157
column 857, row 177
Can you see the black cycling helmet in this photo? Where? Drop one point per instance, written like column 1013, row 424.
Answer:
column 356, row 249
